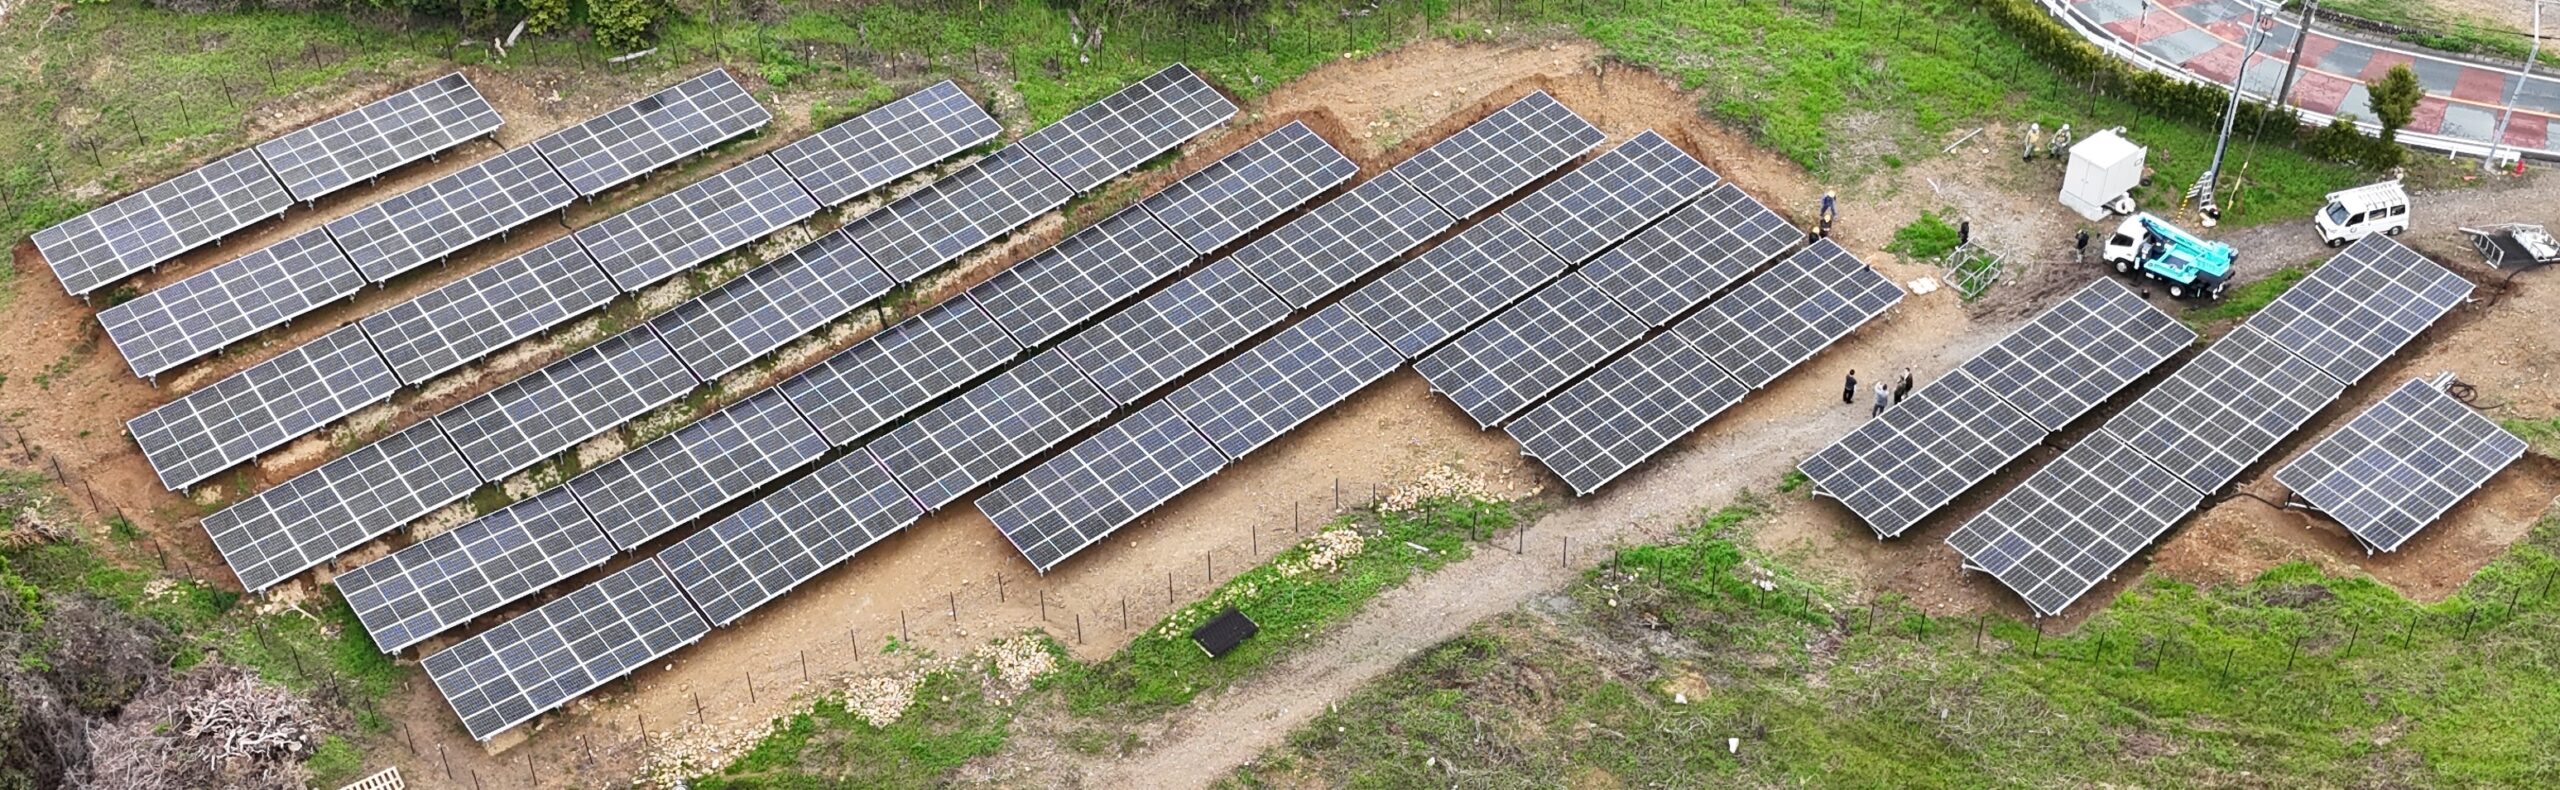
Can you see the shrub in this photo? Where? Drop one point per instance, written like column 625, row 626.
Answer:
column 1925, row 238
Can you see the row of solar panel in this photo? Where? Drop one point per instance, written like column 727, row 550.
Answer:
column 2402, row 464
column 446, row 580
column 147, row 228
column 281, row 531
column 1954, row 433
column 2069, row 526
column 202, row 313
column 260, row 407
column 783, row 539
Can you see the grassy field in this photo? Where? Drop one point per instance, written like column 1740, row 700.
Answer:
column 2437, row 27
column 2297, row 679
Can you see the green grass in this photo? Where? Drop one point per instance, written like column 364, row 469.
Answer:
column 2246, row 299
column 1162, row 669
column 2543, row 435
column 1926, row 238
column 2445, row 29
column 950, row 722
column 2296, row 679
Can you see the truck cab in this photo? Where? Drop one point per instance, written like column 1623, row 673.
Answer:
column 2153, row 248
column 2353, row 214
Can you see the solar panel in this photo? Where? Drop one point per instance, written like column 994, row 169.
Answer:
column 1664, row 270
column 2219, row 413
column 1285, row 381
column 371, row 140
column 2360, row 307
column 1631, row 408
column 669, row 481
column 260, row 407
column 1086, row 273
column 2067, row 360
column 2058, row 535
column 885, row 144
column 1467, row 172
column 1174, row 331
column 450, row 213
column 149, row 227
column 967, row 441
column 756, row 312
column 218, row 306
column 444, row 581
column 658, row 129
column 1244, row 189
column 1341, row 239
column 1452, row 286
column 788, row 537
column 1599, row 203
column 1916, row 457
column 546, row 657
column 1129, row 127
column 863, row 388
column 2401, row 465
column 1784, row 316
column 693, row 224
column 487, row 310
column 1101, row 484
column 319, row 514
column 1530, row 349
column 566, row 402
column 956, row 213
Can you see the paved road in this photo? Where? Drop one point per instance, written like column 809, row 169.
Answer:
column 2207, row 37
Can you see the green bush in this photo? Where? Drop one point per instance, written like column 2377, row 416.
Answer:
column 1926, row 238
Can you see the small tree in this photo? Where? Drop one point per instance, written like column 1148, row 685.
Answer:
column 2395, row 100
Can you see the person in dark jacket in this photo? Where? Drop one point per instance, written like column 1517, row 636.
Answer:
column 1902, row 386
column 1849, row 390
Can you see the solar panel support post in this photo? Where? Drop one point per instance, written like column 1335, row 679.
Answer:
column 750, row 675
column 955, row 606
column 804, row 666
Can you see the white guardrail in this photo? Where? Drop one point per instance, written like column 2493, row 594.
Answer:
column 2090, row 31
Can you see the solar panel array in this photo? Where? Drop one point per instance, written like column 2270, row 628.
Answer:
column 430, row 222
column 1602, row 426
column 371, row 140
column 1242, row 190
column 566, row 402
column 1597, row 204
column 788, row 537
column 1086, row 273
column 756, row 312
column 1665, row 270
column 1128, row 127
column 1530, row 350
column 1957, row 431
column 667, row 482
column 992, row 427
column 2059, row 534
column 564, row 648
column 460, row 321
column 434, row 584
column 1173, row 331
column 887, row 143
column 2200, row 428
column 320, row 514
column 204, row 312
column 2401, row 464
column 1449, row 287
column 650, row 133
column 149, row 227
column 957, row 212
column 1070, row 502
column 265, row 405
column 1488, row 159
column 1343, row 239
column 437, row 332
column 696, row 223
column 877, row 380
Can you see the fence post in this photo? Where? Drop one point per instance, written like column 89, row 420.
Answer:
column 751, row 683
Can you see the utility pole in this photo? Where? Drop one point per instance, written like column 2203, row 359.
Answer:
column 2532, row 53
column 2301, row 39
column 2203, row 190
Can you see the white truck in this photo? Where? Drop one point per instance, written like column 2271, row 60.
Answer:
column 2103, row 171
column 2353, row 214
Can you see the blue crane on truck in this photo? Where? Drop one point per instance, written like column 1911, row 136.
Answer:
column 2153, row 248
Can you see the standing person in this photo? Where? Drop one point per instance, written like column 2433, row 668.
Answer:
column 1964, row 233
column 1883, row 399
column 2080, row 246
column 1830, row 211
column 1902, row 386
column 1849, row 390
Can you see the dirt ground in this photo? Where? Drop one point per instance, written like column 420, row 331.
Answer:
column 951, row 583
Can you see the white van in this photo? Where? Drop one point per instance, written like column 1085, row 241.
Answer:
column 2363, row 211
